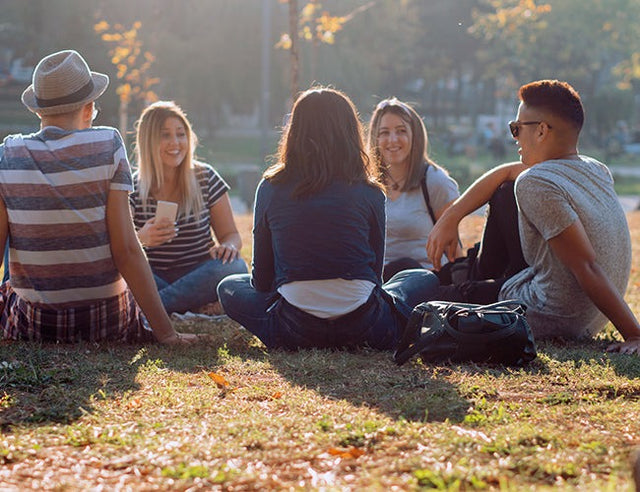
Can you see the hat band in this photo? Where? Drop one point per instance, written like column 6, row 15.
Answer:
column 76, row 96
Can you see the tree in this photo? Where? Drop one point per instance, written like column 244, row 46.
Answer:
column 315, row 25
column 132, row 63
column 589, row 43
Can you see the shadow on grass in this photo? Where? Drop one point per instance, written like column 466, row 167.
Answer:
column 591, row 352
column 41, row 384
column 423, row 392
column 370, row 378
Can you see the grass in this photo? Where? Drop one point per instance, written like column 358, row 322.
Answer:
column 231, row 154
column 228, row 415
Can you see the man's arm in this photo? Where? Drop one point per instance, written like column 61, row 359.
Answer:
column 132, row 265
column 574, row 249
column 443, row 238
column 4, row 231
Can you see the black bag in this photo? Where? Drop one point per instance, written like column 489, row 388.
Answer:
column 441, row 331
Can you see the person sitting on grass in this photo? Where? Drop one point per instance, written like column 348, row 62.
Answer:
column 398, row 146
column 318, row 245
column 561, row 244
column 76, row 266
column 187, row 265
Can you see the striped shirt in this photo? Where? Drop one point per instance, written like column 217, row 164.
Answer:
column 55, row 185
column 191, row 245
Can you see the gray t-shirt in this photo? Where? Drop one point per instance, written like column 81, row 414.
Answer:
column 551, row 196
column 409, row 222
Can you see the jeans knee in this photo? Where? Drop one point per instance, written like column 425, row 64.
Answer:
column 231, row 284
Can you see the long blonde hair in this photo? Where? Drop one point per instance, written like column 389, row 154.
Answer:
column 150, row 170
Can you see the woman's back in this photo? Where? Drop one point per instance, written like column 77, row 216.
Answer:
column 335, row 233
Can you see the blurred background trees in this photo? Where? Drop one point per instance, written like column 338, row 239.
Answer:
column 458, row 61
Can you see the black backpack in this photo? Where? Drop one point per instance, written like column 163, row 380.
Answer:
column 448, row 331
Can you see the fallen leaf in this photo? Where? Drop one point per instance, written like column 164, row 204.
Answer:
column 276, row 395
column 135, row 403
column 220, row 381
column 351, row 453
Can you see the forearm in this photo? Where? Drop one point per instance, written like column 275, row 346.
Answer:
column 481, row 191
column 607, row 299
column 232, row 239
column 135, row 269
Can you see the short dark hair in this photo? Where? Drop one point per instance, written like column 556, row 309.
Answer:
column 322, row 143
column 556, row 97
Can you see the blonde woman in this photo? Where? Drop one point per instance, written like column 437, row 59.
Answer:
column 418, row 190
column 186, row 261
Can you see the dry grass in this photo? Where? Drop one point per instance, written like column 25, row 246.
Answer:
column 231, row 416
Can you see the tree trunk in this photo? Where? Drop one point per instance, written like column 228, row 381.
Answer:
column 293, row 33
column 123, row 117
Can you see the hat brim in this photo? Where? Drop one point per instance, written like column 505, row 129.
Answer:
column 100, row 83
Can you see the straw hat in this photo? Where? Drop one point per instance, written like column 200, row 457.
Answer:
column 62, row 82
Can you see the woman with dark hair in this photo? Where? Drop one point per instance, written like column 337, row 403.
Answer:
column 318, row 246
column 418, row 190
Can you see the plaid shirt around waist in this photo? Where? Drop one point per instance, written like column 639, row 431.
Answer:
column 117, row 318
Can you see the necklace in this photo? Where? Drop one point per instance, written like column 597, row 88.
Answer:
column 395, row 185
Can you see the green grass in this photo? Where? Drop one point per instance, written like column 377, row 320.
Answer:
column 226, row 151
column 151, row 417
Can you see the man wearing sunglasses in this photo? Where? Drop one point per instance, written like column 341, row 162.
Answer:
column 573, row 265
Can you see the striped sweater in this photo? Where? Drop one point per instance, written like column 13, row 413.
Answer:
column 191, row 245
column 55, row 184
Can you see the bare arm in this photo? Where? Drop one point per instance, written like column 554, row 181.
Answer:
column 224, row 227
column 443, row 238
column 132, row 265
column 438, row 213
column 4, row 230
column 573, row 248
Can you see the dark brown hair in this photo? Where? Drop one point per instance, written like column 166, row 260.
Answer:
column 323, row 142
column 556, row 97
column 418, row 154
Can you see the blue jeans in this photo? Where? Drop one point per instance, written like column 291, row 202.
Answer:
column 377, row 323
column 183, row 289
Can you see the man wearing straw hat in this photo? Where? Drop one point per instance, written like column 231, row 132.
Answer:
column 75, row 263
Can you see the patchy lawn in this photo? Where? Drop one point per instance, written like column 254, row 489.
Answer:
column 231, row 416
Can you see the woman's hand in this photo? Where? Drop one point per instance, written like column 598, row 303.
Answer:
column 224, row 251
column 631, row 346
column 156, row 232
column 178, row 338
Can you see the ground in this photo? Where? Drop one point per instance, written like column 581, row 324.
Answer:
column 228, row 415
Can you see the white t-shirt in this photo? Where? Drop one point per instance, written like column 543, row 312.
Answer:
column 328, row 298
column 408, row 219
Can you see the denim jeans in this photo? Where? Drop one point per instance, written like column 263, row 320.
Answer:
column 377, row 323
column 189, row 288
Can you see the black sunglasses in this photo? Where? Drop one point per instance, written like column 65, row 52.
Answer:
column 514, row 126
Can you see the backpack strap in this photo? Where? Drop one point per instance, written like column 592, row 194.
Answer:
column 425, row 193
column 413, row 341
